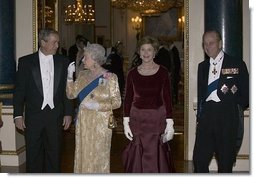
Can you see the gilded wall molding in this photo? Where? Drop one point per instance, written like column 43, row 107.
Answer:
column 7, row 107
column 6, row 96
column 186, row 77
column 240, row 156
column 6, row 86
column 243, row 156
column 13, row 153
column 35, row 25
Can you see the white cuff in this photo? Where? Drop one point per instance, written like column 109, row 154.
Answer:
column 17, row 117
column 69, row 79
column 126, row 119
column 170, row 120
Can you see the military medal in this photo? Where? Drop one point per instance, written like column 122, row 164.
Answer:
column 224, row 89
column 102, row 81
column 234, row 89
column 214, row 69
column 230, row 71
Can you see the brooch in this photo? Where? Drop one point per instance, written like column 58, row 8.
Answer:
column 234, row 89
column 102, row 81
column 224, row 89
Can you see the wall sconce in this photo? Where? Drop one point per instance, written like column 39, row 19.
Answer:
column 181, row 19
column 136, row 25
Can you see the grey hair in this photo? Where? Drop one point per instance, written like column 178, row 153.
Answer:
column 97, row 52
column 45, row 33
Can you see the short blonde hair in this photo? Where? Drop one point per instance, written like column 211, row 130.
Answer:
column 97, row 52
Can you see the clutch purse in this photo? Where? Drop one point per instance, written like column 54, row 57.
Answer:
column 112, row 123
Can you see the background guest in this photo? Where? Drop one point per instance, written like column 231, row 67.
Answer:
column 164, row 57
column 81, row 44
column 73, row 50
column 115, row 64
column 176, row 76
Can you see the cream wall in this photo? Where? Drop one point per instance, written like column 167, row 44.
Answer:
column 246, row 33
column 102, row 19
column 196, row 29
column 24, row 30
column 24, row 43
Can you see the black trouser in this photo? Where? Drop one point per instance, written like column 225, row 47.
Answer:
column 43, row 140
column 216, row 136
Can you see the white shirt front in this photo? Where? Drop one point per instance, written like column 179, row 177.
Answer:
column 214, row 74
column 47, row 76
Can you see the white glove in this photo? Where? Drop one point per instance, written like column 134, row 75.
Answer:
column 169, row 131
column 71, row 70
column 126, row 128
column 92, row 105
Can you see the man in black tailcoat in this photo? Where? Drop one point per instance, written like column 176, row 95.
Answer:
column 41, row 108
column 223, row 92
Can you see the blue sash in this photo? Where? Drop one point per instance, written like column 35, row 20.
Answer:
column 86, row 90
column 212, row 86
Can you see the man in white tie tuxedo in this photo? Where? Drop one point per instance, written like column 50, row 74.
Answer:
column 41, row 108
column 223, row 93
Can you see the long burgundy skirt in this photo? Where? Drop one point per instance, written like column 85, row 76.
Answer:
column 146, row 153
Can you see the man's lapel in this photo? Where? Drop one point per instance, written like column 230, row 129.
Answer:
column 36, row 72
column 206, row 73
column 57, row 72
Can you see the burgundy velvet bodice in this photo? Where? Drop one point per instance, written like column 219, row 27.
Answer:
column 148, row 92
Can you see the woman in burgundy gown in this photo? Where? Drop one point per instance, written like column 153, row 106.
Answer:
column 147, row 121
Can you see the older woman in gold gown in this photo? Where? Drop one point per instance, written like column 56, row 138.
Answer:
column 98, row 92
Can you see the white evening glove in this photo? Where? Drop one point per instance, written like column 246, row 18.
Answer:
column 71, row 70
column 169, row 131
column 92, row 105
column 126, row 128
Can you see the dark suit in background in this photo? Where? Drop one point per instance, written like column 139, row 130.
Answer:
column 176, row 76
column 42, row 126
column 80, row 42
column 72, row 53
column 115, row 64
column 164, row 58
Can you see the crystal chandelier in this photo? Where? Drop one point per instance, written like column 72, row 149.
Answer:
column 47, row 13
column 147, row 7
column 79, row 13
